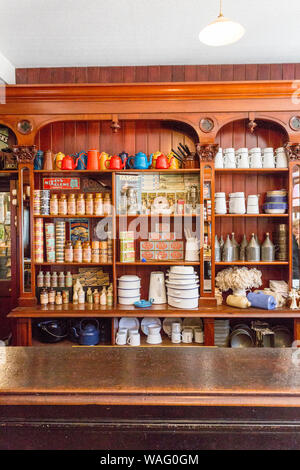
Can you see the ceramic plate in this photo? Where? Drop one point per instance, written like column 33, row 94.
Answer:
column 167, row 324
column 147, row 321
column 128, row 322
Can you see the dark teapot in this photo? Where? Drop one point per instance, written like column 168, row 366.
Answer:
column 38, row 161
column 124, row 157
column 51, row 331
column 87, row 334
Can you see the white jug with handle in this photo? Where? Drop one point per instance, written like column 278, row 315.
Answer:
column 219, row 161
column 281, row 158
column 242, row 158
column 255, row 158
column 268, row 158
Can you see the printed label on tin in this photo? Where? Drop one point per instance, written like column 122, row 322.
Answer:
column 61, row 183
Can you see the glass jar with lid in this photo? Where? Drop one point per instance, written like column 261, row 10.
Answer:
column 89, row 204
column 98, row 204
column 72, row 204
column 63, row 205
column 69, row 252
column 78, row 252
column 80, row 205
column 54, row 204
column 87, row 252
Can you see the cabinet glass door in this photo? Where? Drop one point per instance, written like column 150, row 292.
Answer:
column 296, row 226
column 5, row 237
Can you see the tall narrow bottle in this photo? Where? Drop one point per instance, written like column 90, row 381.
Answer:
column 236, row 248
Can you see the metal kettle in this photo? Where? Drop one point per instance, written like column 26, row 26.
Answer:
column 89, row 333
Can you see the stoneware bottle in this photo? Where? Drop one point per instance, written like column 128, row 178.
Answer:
column 227, row 253
column 253, row 250
column 267, row 249
column 243, row 247
column 236, row 248
column 217, row 249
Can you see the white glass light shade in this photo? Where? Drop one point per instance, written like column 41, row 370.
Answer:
column 221, row 32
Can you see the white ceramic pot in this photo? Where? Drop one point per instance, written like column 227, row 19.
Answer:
column 183, row 303
column 129, row 282
column 182, row 270
column 182, row 277
column 128, row 292
column 181, row 283
column 183, row 293
column 128, row 300
column 220, row 203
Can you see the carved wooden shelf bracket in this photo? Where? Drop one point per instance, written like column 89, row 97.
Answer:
column 207, row 152
column 292, row 150
column 25, row 153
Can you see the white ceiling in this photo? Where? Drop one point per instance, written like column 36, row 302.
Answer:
column 42, row 33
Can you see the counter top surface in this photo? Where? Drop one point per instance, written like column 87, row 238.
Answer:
column 158, row 376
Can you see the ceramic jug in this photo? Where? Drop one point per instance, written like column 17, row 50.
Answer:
column 242, row 158
column 252, row 204
column 255, row 158
column 268, row 158
column 281, row 158
column 220, row 203
column 229, row 158
column 157, row 288
column 219, row 160
column 237, row 203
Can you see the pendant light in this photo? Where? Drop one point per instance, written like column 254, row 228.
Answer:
column 222, row 31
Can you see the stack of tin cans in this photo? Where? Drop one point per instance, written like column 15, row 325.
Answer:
column 41, row 202
column 60, row 240
column 39, row 240
column 281, row 240
column 50, row 242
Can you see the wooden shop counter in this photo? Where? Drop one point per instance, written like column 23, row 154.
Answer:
column 144, row 398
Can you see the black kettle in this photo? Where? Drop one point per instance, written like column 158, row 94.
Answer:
column 51, row 331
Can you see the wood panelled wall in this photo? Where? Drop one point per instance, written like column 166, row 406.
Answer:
column 158, row 73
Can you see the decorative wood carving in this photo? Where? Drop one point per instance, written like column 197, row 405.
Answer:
column 207, row 152
column 252, row 125
column 292, row 151
column 115, row 125
column 25, row 153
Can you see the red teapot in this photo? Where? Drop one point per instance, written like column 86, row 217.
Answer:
column 162, row 162
column 68, row 163
column 115, row 163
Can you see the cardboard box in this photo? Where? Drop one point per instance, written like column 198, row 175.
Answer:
column 161, row 246
column 147, row 245
column 176, row 255
column 161, row 255
column 176, row 245
column 148, row 255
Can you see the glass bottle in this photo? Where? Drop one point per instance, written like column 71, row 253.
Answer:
column 267, row 249
column 107, row 205
column 58, row 298
column 78, row 252
column 40, row 279
column 63, row 205
column 95, row 251
column 89, row 296
column 69, row 252
column 81, row 296
column 65, row 296
column 110, row 296
column 47, row 279
column 52, row 295
column 54, row 279
column 89, row 204
column 69, row 279
column 87, row 252
column 80, row 205
column 44, row 298
column 72, row 204
column 98, row 204
column 103, row 299
column 61, row 279
column 75, row 297
column 96, row 297
column 54, row 205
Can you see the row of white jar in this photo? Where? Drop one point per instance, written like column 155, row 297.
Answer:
column 253, row 158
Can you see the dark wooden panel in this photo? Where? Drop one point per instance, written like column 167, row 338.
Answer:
column 128, row 74
column 263, row 72
column 165, row 73
column 154, row 73
column 69, row 75
column 178, row 73
column 251, row 72
column 227, row 72
column 190, row 73
column 21, row 76
column 141, row 74
column 80, row 75
column 58, row 75
column 288, row 71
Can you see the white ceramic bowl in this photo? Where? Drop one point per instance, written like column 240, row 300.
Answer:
column 128, row 300
column 184, row 293
column 128, row 292
column 183, row 303
column 182, row 270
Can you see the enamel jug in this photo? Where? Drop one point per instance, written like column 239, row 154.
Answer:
column 38, row 161
column 268, row 158
column 81, row 158
column 89, row 333
column 162, row 162
column 93, row 160
column 103, row 158
column 115, row 163
column 219, row 160
column 281, row 158
column 68, row 163
column 242, row 158
column 58, row 160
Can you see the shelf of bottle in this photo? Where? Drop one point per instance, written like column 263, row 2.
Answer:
column 110, row 171
column 71, row 264
column 71, row 216
column 251, row 215
column 124, row 216
column 159, row 263
column 252, row 263
column 252, row 170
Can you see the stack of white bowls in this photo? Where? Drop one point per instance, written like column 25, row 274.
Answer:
column 129, row 288
column 183, row 287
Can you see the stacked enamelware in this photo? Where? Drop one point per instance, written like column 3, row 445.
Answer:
column 129, row 289
column 222, row 333
column 182, row 287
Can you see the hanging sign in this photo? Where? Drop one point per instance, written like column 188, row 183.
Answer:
column 61, row 183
